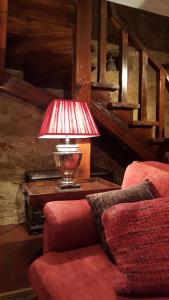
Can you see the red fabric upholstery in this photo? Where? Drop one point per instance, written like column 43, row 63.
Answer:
column 156, row 172
column 81, row 274
column 84, row 273
column 138, row 237
column 68, row 225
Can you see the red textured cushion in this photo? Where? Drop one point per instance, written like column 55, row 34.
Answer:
column 138, row 236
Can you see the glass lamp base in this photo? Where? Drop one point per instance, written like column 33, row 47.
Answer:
column 67, row 159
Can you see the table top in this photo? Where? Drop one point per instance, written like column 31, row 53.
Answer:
column 49, row 190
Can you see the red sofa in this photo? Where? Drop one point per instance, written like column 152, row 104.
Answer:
column 74, row 266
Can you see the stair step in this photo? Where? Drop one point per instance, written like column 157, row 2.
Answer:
column 122, row 105
column 158, row 141
column 16, row 73
column 143, row 124
column 120, row 129
column 104, row 86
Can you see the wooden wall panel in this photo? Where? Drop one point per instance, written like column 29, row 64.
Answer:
column 40, row 39
column 3, row 31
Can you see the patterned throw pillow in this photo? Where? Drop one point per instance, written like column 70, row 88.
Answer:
column 138, row 237
column 101, row 201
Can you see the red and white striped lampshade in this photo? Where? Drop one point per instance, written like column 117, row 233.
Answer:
column 68, row 119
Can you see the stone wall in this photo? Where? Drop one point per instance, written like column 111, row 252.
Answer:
column 20, row 151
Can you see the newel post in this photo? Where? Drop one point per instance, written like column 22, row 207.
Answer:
column 82, row 72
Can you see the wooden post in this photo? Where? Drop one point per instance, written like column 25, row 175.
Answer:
column 102, row 40
column 123, row 72
column 82, row 72
column 3, row 32
column 142, row 93
column 160, row 92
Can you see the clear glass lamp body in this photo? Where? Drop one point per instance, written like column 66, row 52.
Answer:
column 67, row 160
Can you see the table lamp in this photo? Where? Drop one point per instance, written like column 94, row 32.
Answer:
column 68, row 120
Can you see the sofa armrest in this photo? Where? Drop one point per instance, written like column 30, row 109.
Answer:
column 68, row 225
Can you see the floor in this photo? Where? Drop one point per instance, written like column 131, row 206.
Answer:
column 17, row 249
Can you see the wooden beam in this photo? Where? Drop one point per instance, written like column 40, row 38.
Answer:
column 102, row 40
column 25, row 91
column 3, row 32
column 82, row 72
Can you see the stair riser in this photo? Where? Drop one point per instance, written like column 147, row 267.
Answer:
column 124, row 115
column 142, row 133
column 102, row 96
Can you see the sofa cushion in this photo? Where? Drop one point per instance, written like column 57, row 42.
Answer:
column 101, row 201
column 84, row 274
column 138, row 236
column 156, row 172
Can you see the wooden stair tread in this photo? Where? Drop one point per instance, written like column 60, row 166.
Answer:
column 104, row 86
column 122, row 105
column 144, row 124
column 120, row 129
column 158, row 141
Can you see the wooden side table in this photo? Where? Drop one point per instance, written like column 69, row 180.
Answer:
column 36, row 194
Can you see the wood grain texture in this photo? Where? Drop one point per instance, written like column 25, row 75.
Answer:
column 3, row 34
column 40, row 39
column 82, row 73
column 102, row 41
column 118, row 128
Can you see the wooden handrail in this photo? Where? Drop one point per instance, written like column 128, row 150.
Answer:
column 145, row 59
column 136, row 43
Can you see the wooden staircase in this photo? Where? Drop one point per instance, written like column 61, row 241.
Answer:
column 146, row 137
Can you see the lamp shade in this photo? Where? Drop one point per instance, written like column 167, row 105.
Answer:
column 68, row 119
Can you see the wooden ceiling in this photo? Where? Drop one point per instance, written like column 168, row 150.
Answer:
column 40, row 39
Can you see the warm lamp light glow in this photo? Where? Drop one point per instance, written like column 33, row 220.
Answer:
column 68, row 119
